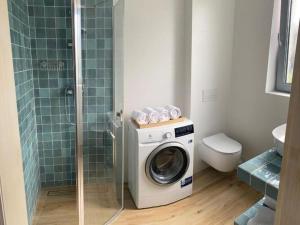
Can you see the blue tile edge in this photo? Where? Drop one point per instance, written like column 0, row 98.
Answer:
column 248, row 214
column 262, row 173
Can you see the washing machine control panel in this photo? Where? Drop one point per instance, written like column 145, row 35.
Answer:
column 168, row 135
column 160, row 134
column 182, row 131
column 151, row 137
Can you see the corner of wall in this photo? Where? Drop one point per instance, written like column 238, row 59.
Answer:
column 230, row 92
column 252, row 114
column 188, row 18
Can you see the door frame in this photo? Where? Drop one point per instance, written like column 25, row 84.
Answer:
column 77, row 64
column 287, row 211
column 11, row 166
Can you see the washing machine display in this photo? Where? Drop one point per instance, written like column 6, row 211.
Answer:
column 182, row 131
column 167, row 164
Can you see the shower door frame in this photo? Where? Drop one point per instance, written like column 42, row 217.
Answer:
column 77, row 63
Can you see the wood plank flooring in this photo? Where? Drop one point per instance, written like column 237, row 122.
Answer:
column 217, row 199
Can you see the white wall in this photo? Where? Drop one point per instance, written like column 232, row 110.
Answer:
column 253, row 114
column 212, row 42
column 154, row 54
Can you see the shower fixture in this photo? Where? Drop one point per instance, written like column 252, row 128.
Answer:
column 69, row 94
column 69, row 91
column 51, row 65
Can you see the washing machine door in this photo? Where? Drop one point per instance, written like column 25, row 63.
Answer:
column 167, row 164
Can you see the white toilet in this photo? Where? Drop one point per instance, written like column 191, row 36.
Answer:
column 221, row 152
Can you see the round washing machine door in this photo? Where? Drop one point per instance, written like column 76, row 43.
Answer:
column 167, row 164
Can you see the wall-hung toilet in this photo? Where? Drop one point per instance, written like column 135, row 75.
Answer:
column 220, row 152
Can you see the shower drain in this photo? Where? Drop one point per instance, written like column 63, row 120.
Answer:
column 60, row 192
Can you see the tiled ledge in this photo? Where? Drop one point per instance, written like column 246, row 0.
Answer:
column 250, row 213
column 262, row 173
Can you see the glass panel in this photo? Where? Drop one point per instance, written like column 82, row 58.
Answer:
column 118, row 19
column 102, row 125
column 295, row 18
column 41, row 34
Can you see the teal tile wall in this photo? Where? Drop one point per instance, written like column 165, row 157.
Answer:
column 51, row 36
column 262, row 172
column 41, row 43
column 244, row 218
column 20, row 38
column 98, row 74
column 51, row 39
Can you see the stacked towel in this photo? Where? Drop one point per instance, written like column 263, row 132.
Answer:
column 174, row 111
column 163, row 114
column 153, row 115
column 140, row 117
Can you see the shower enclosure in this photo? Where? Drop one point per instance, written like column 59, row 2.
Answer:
column 68, row 70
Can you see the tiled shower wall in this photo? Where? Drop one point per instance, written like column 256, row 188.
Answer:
column 51, row 41
column 42, row 51
column 98, row 75
column 51, row 48
column 20, row 38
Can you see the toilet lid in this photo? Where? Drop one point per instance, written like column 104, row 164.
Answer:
column 222, row 143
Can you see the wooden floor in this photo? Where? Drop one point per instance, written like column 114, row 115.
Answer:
column 217, row 199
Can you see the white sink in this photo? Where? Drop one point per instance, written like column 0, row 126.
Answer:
column 279, row 138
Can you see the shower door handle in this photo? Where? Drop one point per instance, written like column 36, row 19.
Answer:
column 113, row 137
column 120, row 115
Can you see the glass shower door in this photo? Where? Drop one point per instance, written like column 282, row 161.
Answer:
column 118, row 104
column 99, row 82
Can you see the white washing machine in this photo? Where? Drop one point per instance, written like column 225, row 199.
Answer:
column 160, row 163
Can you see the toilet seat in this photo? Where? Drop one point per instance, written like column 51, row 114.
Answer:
column 222, row 144
column 220, row 152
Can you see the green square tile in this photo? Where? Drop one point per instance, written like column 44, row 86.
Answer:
column 272, row 192
column 50, row 12
column 258, row 184
column 274, row 181
column 272, row 168
column 264, row 174
column 49, row 2
column 268, row 155
column 243, row 175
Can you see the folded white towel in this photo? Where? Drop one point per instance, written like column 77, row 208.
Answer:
column 153, row 115
column 140, row 117
column 174, row 111
column 163, row 114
